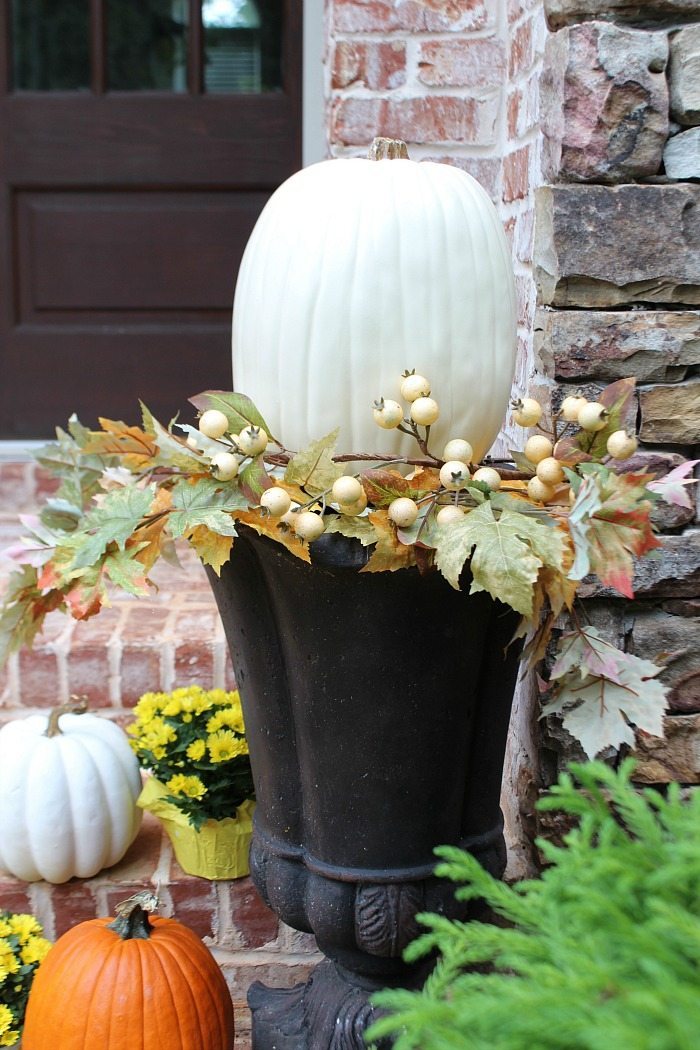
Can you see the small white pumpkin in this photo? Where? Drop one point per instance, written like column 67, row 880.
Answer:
column 358, row 269
column 68, row 788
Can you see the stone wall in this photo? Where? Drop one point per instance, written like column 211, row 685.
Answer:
column 617, row 266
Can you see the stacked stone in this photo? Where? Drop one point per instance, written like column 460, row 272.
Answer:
column 617, row 255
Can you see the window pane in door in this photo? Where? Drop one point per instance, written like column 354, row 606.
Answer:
column 242, row 40
column 51, row 45
column 147, row 45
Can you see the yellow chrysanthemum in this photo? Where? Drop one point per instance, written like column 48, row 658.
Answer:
column 228, row 718
column 225, row 745
column 196, row 750
column 5, row 928
column 148, row 706
column 35, row 950
column 24, row 927
column 9, row 1038
column 6, row 1020
column 8, row 959
column 192, row 787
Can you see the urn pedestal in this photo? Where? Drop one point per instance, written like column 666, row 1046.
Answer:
column 377, row 707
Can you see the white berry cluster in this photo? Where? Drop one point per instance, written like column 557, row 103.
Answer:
column 542, row 452
column 251, row 441
column 455, row 473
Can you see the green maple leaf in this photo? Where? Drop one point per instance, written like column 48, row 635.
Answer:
column 313, row 469
column 114, row 521
column 354, row 526
column 238, row 409
column 21, row 614
column 205, row 502
column 79, row 473
column 508, row 553
column 125, row 572
column 601, row 713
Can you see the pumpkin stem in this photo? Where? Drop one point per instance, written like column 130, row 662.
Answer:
column 78, row 706
column 388, row 149
column 131, row 922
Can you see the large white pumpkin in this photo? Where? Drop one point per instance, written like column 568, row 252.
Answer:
column 68, row 801
column 358, row 269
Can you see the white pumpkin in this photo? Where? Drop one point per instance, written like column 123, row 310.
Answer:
column 67, row 800
column 359, row 269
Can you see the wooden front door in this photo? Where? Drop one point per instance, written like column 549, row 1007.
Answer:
column 139, row 140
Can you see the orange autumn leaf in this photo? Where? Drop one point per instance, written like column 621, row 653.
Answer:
column 270, row 527
column 389, row 553
column 132, row 444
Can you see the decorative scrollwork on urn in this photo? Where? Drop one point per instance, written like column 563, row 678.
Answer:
column 385, row 916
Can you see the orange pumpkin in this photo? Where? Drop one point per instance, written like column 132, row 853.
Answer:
column 130, row 983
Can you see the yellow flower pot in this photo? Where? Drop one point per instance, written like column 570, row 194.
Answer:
column 218, row 850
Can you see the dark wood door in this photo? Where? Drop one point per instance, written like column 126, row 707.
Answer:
column 139, row 140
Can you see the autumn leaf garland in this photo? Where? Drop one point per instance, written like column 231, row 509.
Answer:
column 126, row 493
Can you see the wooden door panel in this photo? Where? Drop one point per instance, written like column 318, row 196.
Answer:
column 59, row 139
column 123, row 218
column 117, row 257
column 64, row 371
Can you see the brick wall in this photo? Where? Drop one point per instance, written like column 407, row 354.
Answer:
column 618, row 276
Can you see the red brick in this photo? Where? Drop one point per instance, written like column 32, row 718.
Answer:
column 88, row 657
column 118, row 896
column 229, row 674
column 45, row 484
column 516, row 175
column 73, row 902
column 38, row 678
column 379, row 66
column 517, row 8
column 521, row 50
column 194, row 656
column 195, row 904
column 484, row 169
column 14, row 896
column 461, row 63
column 194, row 665
column 356, row 121
column 254, row 921
column 16, row 487
column 141, row 638
column 88, row 675
column 139, row 673
column 379, row 16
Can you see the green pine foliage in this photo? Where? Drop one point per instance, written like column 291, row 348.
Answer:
column 601, row 953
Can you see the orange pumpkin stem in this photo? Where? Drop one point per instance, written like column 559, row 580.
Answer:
column 132, row 922
column 78, row 706
column 388, row 149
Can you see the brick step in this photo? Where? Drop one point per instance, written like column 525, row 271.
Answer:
column 172, row 638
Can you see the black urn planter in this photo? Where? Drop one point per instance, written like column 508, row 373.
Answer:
column 377, row 707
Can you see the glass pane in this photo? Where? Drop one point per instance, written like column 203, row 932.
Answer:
column 51, row 45
column 242, row 40
column 147, row 45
